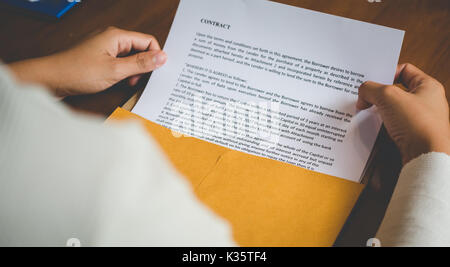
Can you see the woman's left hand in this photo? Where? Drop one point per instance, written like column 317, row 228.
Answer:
column 95, row 64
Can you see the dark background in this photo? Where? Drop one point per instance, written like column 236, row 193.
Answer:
column 426, row 45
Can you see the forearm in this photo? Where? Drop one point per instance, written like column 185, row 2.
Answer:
column 43, row 71
column 419, row 212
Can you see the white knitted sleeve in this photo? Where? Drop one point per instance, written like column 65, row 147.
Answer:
column 419, row 212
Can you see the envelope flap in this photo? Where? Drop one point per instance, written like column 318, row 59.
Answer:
column 191, row 157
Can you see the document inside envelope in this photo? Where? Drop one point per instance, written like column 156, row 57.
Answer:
column 274, row 81
column 267, row 202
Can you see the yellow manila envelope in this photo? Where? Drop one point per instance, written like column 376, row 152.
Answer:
column 267, row 203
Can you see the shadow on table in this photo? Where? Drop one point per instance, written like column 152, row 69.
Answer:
column 369, row 211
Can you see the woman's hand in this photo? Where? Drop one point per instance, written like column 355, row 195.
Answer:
column 95, row 64
column 417, row 119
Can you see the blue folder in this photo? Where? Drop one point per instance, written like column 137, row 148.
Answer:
column 52, row 8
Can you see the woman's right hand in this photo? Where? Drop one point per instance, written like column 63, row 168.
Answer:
column 417, row 119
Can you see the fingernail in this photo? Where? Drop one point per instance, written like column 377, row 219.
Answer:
column 160, row 58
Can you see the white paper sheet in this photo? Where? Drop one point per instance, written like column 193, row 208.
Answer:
column 272, row 80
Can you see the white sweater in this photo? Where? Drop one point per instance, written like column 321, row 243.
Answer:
column 66, row 177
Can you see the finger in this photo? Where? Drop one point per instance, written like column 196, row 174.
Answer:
column 128, row 41
column 139, row 63
column 410, row 76
column 372, row 93
column 133, row 80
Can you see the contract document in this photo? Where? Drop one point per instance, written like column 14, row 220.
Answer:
column 274, row 81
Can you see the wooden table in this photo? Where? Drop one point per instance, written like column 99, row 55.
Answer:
column 427, row 25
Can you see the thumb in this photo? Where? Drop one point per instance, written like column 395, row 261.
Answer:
column 140, row 63
column 372, row 93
